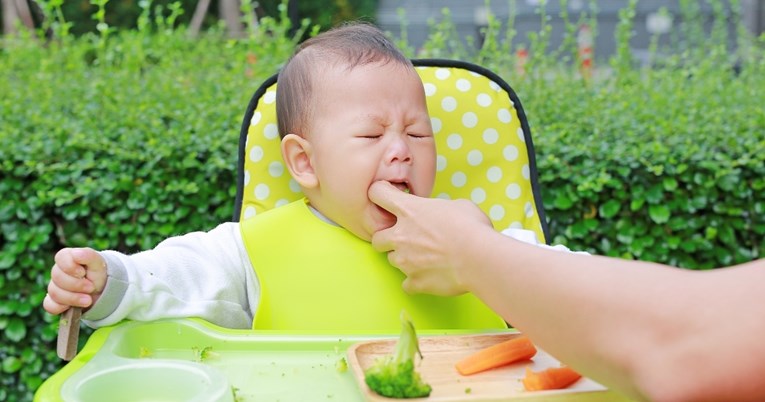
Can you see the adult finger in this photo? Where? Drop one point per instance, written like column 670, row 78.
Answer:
column 381, row 241
column 408, row 286
column 387, row 196
column 394, row 259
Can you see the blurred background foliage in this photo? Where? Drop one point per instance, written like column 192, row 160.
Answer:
column 118, row 136
column 123, row 14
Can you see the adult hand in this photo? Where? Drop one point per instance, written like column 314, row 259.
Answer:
column 428, row 240
column 77, row 279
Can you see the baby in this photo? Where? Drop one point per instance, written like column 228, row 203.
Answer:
column 351, row 111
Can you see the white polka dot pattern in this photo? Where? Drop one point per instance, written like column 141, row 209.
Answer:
column 474, row 157
column 489, row 164
column 454, row 141
column 276, row 169
column 478, row 195
column 440, row 163
column 262, row 191
column 256, row 154
column 459, row 179
column 449, row 104
column 479, row 139
column 271, row 131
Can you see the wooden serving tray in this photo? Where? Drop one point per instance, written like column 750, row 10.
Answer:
column 440, row 353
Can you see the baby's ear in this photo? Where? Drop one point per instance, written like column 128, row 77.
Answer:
column 297, row 152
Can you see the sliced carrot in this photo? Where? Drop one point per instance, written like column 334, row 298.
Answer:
column 552, row 378
column 501, row 354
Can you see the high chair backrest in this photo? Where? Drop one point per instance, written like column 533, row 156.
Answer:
column 483, row 142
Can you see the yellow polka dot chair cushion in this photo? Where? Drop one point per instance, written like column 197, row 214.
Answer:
column 483, row 141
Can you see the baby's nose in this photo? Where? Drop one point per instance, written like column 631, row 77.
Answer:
column 399, row 151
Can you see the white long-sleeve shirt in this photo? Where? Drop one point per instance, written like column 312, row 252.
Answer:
column 201, row 274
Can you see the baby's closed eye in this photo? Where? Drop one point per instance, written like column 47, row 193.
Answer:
column 419, row 135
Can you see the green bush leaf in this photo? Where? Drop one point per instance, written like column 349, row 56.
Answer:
column 624, row 238
column 609, row 209
column 6, row 260
column 670, row 184
column 563, row 202
column 659, row 213
column 759, row 207
column 728, row 182
column 673, row 242
column 16, row 330
column 12, row 364
column 728, row 236
column 655, row 194
column 578, row 230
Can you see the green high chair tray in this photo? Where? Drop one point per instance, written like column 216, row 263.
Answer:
column 192, row 360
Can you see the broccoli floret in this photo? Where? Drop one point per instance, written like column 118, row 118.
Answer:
column 394, row 375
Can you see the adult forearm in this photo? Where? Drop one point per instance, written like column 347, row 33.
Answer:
column 644, row 329
column 551, row 300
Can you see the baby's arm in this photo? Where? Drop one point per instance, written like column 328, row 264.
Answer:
column 200, row 274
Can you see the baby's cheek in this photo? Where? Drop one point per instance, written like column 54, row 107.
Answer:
column 426, row 181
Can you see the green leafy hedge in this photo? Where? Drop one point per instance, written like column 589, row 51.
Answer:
column 669, row 170
column 121, row 139
column 113, row 141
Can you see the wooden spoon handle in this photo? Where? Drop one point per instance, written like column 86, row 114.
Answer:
column 68, row 333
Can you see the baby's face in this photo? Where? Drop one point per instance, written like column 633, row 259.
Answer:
column 369, row 124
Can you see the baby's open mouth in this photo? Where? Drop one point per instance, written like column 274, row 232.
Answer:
column 401, row 185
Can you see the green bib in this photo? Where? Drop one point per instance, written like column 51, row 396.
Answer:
column 317, row 276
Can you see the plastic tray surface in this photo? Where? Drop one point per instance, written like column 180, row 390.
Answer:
column 192, row 360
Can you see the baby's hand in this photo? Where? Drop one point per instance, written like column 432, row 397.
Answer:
column 77, row 279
